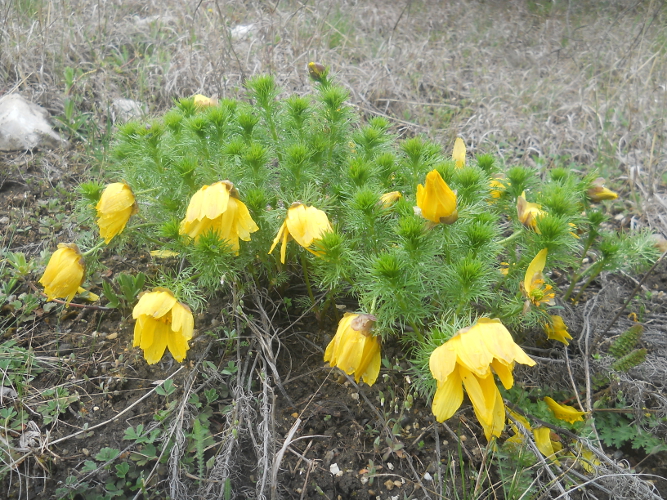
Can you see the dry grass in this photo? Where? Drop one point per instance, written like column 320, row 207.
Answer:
column 535, row 81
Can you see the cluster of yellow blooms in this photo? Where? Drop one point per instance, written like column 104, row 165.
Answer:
column 468, row 360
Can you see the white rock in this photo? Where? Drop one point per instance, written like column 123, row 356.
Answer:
column 124, row 110
column 24, row 125
column 242, row 30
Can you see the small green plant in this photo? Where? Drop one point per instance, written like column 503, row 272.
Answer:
column 129, row 286
column 626, row 342
column 19, row 365
column 58, row 400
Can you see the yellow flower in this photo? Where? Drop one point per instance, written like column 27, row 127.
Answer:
column 162, row 321
column 316, row 71
column 497, row 187
column 304, row 224
column 64, row 273
column 436, row 202
column 587, row 458
column 467, row 360
column 518, row 436
column 354, row 349
column 201, row 101
column 459, row 153
column 116, row 206
column 533, row 283
column 388, row 199
column 217, row 208
column 564, row 412
column 597, row 192
column 528, row 212
column 557, row 330
column 547, row 443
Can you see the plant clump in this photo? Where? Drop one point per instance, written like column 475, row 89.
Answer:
column 440, row 251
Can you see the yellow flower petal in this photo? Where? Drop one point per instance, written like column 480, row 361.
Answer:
column 597, row 192
column 64, row 273
column 304, row 225
column 154, row 304
column 162, row 322
column 480, row 390
column 564, row 412
column 201, row 101
column 436, row 201
column 544, row 444
column 557, row 330
column 355, row 351
column 528, row 212
column 163, row 254
column 470, row 358
column 533, row 283
column 448, row 397
column 459, row 153
column 114, row 209
column 217, row 208
column 443, row 358
column 388, row 199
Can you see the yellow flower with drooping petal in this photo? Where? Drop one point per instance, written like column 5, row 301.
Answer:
column 459, row 153
column 201, row 101
column 388, row 199
column 528, row 212
column 469, row 360
column 557, row 330
column 565, row 412
column 436, row 201
column 305, row 225
column 533, row 283
column 597, row 192
column 114, row 209
column 547, row 443
column 354, row 349
column 64, row 273
column 217, row 208
column 162, row 322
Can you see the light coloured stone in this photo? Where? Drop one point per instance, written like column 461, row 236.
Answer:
column 124, row 110
column 25, row 125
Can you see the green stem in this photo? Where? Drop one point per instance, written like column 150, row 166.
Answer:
column 511, row 237
column 139, row 226
column 418, row 332
column 577, row 276
column 144, row 191
column 304, row 265
column 588, row 282
column 94, row 249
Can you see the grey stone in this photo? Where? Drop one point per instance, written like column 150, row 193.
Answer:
column 125, row 110
column 25, row 125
